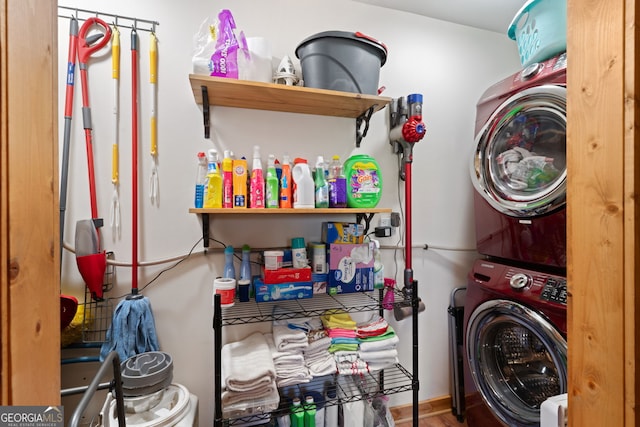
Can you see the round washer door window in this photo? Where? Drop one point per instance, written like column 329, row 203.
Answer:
column 519, row 164
column 517, row 360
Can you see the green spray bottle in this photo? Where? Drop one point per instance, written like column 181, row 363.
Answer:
column 271, row 183
column 309, row 412
column 297, row 413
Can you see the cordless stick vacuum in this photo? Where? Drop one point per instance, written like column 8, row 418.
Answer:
column 407, row 129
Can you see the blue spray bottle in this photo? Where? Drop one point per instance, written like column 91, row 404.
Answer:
column 229, row 268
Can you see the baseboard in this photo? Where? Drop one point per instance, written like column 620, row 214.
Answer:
column 426, row 408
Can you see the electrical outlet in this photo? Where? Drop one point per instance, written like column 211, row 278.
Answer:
column 385, row 221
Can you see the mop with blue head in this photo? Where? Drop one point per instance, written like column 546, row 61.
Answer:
column 133, row 329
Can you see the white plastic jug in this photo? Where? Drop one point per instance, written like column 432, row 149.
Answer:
column 304, row 195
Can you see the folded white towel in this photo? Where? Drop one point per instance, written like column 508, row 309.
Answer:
column 345, row 356
column 385, row 344
column 370, row 356
column 322, row 366
column 321, row 344
column 286, row 339
column 266, row 392
column 382, row 364
column 300, row 378
column 291, row 359
column 247, row 364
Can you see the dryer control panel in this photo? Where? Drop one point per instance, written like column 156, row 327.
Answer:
column 555, row 290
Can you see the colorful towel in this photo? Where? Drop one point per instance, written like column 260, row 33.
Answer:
column 337, row 319
column 373, row 327
column 381, row 344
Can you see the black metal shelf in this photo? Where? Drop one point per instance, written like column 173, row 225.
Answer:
column 254, row 312
column 348, row 388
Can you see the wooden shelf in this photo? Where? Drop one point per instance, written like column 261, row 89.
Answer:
column 329, row 211
column 291, row 99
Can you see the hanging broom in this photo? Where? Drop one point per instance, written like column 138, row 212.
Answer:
column 133, row 329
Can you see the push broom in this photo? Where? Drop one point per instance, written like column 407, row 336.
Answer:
column 132, row 329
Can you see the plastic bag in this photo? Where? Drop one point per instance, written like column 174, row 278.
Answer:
column 218, row 50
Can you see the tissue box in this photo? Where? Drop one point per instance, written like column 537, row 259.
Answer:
column 342, row 232
column 265, row 292
column 350, row 268
column 283, row 275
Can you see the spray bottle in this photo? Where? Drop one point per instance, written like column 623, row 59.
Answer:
column 321, row 186
column 201, row 180
column 213, row 197
column 271, row 183
column 286, row 194
column 227, row 180
column 257, row 181
column 229, row 268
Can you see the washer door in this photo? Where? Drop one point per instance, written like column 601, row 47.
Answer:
column 519, row 165
column 517, row 360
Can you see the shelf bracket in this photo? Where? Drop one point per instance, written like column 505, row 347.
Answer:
column 366, row 217
column 205, row 230
column 205, row 111
column 364, row 117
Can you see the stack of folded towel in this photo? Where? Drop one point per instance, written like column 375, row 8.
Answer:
column 378, row 342
column 341, row 328
column 288, row 342
column 248, row 372
column 317, row 357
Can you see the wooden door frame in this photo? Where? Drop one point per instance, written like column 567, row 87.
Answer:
column 602, row 232
column 29, row 255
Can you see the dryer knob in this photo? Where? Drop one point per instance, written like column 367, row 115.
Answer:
column 519, row 281
column 531, row 71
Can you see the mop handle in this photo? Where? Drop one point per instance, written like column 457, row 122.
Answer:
column 115, row 74
column 153, row 79
column 134, row 157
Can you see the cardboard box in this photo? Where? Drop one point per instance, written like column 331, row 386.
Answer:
column 350, row 268
column 281, row 291
column 283, row 275
column 342, row 232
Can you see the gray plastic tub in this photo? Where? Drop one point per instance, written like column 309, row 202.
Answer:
column 340, row 60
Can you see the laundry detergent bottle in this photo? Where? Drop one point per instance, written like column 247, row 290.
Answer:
column 304, row 188
column 213, row 196
column 364, row 181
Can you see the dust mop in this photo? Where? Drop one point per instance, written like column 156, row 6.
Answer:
column 133, row 329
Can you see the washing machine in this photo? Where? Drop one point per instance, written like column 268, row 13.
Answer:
column 518, row 168
column 515, row 346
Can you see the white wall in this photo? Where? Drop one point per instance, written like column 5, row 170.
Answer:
column 449, row 64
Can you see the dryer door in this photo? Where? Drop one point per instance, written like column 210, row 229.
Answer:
column 517, row 360
column 519, row 165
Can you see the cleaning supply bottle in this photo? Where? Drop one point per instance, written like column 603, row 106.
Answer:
column 229, row 268
column 304, row 188
column 337, row 184
column 257, row 181
column 286, row 195
column 378, row 266
column 213, row 197
column 245, row 266
column 271, row 183
column 309, row 411
column 240, row 199
column 364, row 181
column 201, row 180
column 331, row 408
column 297, row 413
column 227, row 180
column 321, row 186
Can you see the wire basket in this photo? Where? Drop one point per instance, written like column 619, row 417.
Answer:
column 98, row 314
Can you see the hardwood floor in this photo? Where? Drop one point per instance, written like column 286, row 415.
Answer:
column 436, row 420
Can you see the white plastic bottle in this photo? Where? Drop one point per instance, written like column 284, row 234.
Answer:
column 201, row 180
column 304, row 195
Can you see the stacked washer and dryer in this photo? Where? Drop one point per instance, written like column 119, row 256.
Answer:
column 515, row 306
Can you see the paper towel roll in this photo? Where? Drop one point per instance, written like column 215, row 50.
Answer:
column 227, row 289
column 260, row 67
